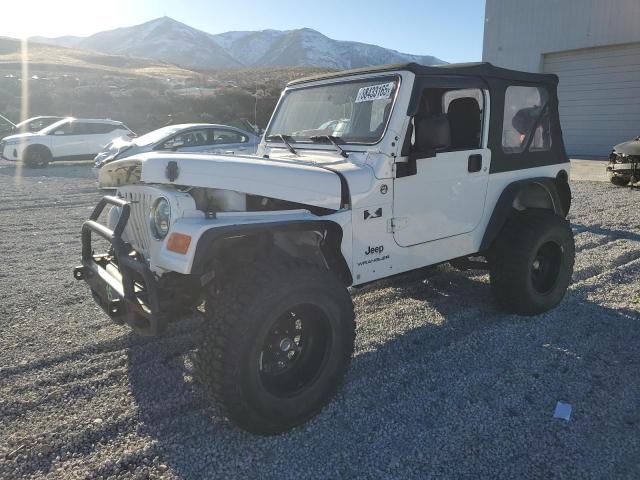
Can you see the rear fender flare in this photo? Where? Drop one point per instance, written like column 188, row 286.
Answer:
column 557, row 192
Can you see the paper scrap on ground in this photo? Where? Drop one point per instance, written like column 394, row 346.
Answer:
column 563, row 411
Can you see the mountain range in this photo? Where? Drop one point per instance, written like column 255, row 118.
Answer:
column 168, row 40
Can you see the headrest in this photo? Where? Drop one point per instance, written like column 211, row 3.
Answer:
column 465, row 122
column 433, row 133
column 465, row 107
column 524, row 119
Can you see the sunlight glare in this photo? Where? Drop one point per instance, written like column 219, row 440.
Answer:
column 24, row 100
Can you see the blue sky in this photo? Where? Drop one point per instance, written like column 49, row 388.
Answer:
column 449, row 29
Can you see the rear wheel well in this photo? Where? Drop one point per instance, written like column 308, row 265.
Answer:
column 543, row 193
column 533, row 195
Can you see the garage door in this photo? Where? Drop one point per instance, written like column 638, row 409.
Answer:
column 599, row 95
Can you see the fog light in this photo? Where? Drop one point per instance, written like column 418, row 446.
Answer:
column 178, row 242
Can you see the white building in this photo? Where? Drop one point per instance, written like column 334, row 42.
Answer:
column 594, row 48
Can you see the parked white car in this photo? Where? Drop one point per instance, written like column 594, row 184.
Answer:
column 67, row 139
column 190, row 137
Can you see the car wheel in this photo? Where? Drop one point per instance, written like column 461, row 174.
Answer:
column 37, row 156
column 618, row 180
column 531, row 262
column 277, row 343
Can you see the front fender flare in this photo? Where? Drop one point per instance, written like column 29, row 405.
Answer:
column 205, row 249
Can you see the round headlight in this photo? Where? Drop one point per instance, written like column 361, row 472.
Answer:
column 160, row 218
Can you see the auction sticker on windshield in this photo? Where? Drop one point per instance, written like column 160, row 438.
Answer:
column 375, row 92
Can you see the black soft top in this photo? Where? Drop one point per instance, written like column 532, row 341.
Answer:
column 478, row 69
column 480, row 75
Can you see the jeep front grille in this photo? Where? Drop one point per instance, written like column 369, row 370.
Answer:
column 137, row 231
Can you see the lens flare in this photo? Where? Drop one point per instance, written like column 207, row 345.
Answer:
column 24, row 100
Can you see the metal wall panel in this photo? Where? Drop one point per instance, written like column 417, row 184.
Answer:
column 599, row 94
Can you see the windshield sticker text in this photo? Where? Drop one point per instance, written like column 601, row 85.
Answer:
column 375, row 92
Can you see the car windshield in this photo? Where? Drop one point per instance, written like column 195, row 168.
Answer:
column 157, row 135
column 352, row 112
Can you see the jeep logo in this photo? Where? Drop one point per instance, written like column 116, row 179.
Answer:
column 377, row 250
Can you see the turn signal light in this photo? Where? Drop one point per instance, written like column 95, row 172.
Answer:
column 179, row 243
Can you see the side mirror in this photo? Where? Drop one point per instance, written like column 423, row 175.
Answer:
column 58, row 132
column 176, row 146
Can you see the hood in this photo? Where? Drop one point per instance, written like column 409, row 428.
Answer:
column 117, row 147
column 306, row 182
column 19, row 136
column 119, row 143
column 632, row 147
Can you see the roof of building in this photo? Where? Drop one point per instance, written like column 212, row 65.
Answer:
column 479, row 69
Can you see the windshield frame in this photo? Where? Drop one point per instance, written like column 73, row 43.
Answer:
column 386, row 76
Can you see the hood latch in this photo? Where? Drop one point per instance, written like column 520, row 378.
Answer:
column 172, row 171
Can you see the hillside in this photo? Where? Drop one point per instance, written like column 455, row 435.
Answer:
column 171, row 41
column 145, row 94
column 49, row 58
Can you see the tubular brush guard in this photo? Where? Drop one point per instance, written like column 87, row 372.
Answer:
column 121, row 284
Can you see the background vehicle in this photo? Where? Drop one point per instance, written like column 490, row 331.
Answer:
column 624, row 163
column 31, row 125
column 191, row 137
column 67, row 139
column 438, row 164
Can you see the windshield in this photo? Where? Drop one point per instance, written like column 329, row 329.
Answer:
column 157, row 135
column 353, row 112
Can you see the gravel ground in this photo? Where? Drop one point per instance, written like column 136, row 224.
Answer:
column 442, row 384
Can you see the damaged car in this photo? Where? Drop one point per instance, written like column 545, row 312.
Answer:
column 624, row 163
column 191, row 137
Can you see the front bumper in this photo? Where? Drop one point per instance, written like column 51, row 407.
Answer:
column 624, row 169
column 625, row 166
column 120, row 281
column 104, row 157
column 3, row 147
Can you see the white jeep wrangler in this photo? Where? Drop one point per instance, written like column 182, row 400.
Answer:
column 361, row 175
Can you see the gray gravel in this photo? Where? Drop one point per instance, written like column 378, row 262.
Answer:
column 442, row 384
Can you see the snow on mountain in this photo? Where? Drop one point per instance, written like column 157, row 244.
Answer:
column 174, row 42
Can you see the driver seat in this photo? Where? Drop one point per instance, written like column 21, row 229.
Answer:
column 433, row 133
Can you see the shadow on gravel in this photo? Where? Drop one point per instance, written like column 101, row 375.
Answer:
column 609, row 233
column 472, row 396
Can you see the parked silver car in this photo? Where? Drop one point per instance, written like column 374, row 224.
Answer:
column 201, row 137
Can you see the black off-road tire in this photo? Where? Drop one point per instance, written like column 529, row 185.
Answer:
column 531, row 262
column 36, row 156
column 618, row 180
column 237, row 344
